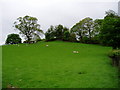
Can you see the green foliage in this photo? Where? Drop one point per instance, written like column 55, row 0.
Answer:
column 58, row 32
column 88, row 26
column 78, row 30
column 50, row 34
column 110, row 32
column 73, row 37
column 86, row 40
column 111, row 13
column 66, row 36
column 95, row 39
column 28, row 27
column 13, row 39
column 114, row 53
column 86, row 30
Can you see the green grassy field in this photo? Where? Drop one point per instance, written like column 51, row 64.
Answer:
column 56, row 66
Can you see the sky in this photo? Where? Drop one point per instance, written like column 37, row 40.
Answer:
column 51, row 12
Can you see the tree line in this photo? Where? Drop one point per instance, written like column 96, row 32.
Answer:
column 100, row 31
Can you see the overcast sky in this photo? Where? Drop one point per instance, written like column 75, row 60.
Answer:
column 51, row 12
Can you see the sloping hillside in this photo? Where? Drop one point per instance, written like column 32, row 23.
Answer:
column 58, row 65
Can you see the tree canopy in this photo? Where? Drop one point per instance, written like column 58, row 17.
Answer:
column 58, row 32
column 105, row 31
column 86, row 29
column 28, row 27
column 110, row 31
column 13, row 39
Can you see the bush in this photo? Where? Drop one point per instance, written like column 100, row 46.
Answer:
column 38, row 40
column 95, row 40
column 30, row 42
column 49, row 36
column 110, row 32
column 73, row 37
column 86, row 40
column 66, row 36
column 13, row 39
column 114, row 53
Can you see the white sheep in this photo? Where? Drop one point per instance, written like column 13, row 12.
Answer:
column 75, row 52
column 47, row 45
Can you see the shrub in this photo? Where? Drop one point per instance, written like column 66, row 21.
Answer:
column 110, row 32
column 13, row 39
column 30, row 42
column 73, row 37
column 114, row 53
column 38, row 40
column 49, row 36
column 86, row 40
column 66, row 36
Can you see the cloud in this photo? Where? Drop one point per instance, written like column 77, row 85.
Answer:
column 52, row 12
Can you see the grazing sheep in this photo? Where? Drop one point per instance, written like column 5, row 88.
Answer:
column 47, row 45
column 75, row 52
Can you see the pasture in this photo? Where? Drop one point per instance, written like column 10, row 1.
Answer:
column 56, row 65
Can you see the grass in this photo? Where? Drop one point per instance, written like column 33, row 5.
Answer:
column 56, row 66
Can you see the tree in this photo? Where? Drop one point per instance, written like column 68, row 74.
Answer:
column 96, row 31
column 28, row 27
column 66, row 34
column 58, row 32
column 88, row 26
column 73, row 37
column 50, row 34
column 110, row 31
column 111, row 13
column 59, row 29
column 97, row 26
column 13, row 39
column 86, row 29
column 78, row 30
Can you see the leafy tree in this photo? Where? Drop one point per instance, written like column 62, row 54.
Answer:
column 73, row 37
column 28, row 27
column 50, row 34
column 79, row 31
column 59, row 29
column 110, row 31
column 58, row 32
column 111, row 13
column 86, row 29
column 96, row 31
column 66, row 34
column 13, row 39
column 88, row 26
column 97, row 26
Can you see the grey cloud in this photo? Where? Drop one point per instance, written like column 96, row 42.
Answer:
column 51, row 12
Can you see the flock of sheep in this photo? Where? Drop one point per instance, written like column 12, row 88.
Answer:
column 47, row 46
